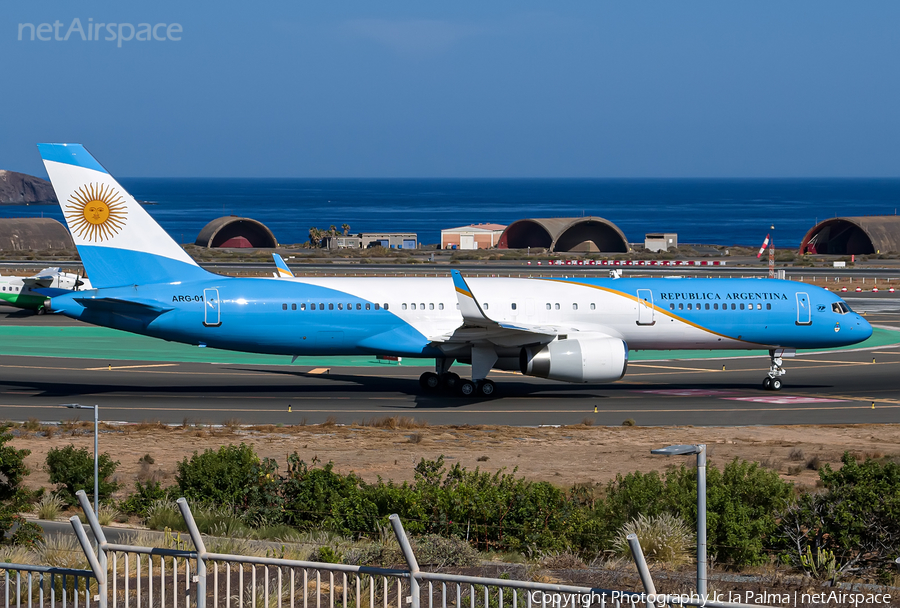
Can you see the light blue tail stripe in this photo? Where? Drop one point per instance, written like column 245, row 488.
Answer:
column 70, row 154
column 111, row 267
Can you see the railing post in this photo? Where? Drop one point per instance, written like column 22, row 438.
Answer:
column 410, row 557
column 643, row 571
column 94, row 523
column 197, row 539
column 99, row 573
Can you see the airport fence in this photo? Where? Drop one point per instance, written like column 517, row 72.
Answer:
column 130, row 576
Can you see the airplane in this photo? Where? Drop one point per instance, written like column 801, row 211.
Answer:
column 281, row 267
column 29, row 292
column 567, row 329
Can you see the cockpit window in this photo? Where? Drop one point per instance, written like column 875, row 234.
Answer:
column 840, row 308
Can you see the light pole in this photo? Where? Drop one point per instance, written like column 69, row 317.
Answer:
column 700, row 451
column 96, row 409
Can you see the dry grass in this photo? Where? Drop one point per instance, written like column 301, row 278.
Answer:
column 394, row 423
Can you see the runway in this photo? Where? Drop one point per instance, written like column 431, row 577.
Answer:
column 836, row 387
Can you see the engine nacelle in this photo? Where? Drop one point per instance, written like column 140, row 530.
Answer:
column 600, row 359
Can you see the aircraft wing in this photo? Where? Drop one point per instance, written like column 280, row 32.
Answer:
column 44, row 278
column 478, row 327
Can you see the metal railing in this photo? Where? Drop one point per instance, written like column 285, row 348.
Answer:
column 132, row 576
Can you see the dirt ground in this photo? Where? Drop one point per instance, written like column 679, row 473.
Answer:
column 561, row 455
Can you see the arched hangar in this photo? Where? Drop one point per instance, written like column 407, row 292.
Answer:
column 24, row 233
column 234, row 231
column 583, row 234
column 853, row 235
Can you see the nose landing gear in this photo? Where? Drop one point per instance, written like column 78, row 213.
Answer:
column 772, row 382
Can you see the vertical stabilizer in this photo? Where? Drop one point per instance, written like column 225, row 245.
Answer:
column 119, row 243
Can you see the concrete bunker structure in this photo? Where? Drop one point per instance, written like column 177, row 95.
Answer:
column 33, row 233
column 582, row 234
column 853, row 235
column 234, row 231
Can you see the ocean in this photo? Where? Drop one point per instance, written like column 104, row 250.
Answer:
column 725, row 212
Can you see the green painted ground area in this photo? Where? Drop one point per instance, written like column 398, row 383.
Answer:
column 111, row 345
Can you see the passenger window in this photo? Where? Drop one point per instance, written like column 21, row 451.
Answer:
column 556, row 306
column 574, row 306
column 421, row 306
column 377, row 306
column 707, row 306
column 513, row 305
column 293, row 307
column 759, row 307
column 733, row 307
column 768, row 306
column 690, row 306
column 349, row 306
column 548, row 306
column 593, row 306
column 385, row 306
column 742, row 306
column 330, row 306
column 284, row 307
column 671, row 305
column 430, row 306
column 321, row 306
column 368, row 306
column 303, row 307
column 680, row 306
column 340, row 306
column 715, row 307
column 403, row 306
column 413, row 305
column 441, row 306
column 486, row 305
column 358, row 306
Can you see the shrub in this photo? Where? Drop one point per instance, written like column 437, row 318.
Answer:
column 664, row 538
column 13, row 494
column 72, row 469
column 231, row 475
column 855, row 520
column 145, row 494
column 107, row 514
column 440, row 551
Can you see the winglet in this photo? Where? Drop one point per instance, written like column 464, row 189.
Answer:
column 468, row 305
column 282, row 267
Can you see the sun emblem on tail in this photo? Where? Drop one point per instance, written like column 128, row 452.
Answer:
column 96, row 212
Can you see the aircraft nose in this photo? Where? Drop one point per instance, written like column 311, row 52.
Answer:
column 864, row 326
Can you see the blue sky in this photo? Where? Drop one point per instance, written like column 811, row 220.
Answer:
column 462, row 88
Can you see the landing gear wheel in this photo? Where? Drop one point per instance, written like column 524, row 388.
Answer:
column 775, row 385
column 767, row 383
column 430, row 381
column 486, row 388
column 467, row 388
column 451, row 381
column 41, row 310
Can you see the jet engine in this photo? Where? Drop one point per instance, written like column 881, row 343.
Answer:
column 592, row 359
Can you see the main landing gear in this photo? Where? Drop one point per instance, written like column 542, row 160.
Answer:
column 772, row 381
column 451, row 383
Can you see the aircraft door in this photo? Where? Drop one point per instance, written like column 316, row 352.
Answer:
column 803, row 312
column 645, row 307
column 211, row 312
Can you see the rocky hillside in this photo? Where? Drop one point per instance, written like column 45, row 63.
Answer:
column 18, row 189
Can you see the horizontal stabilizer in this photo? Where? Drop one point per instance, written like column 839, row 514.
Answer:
column 150, row 307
